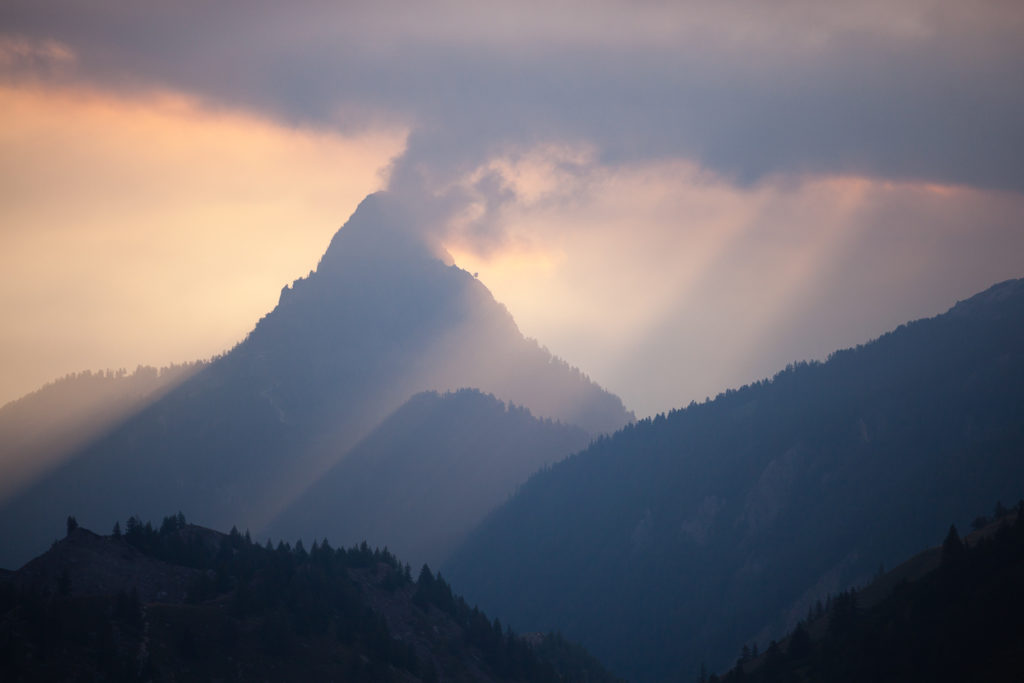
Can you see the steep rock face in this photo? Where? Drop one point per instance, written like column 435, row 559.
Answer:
column 382, row 318
column 680, row 538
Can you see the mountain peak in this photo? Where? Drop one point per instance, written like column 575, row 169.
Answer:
column 385, row 293
column 382, row 231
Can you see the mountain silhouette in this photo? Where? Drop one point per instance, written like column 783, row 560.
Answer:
column 444, row 461
column 382, row 317
column 684, row 536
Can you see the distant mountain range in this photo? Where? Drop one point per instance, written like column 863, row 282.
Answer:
column 680, row 537
column 382, row 318
column 182, row 602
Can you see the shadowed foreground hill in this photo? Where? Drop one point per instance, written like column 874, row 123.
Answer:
column 381, row 319
column 959, row 621
column 442, row 461
column 188, row 603
column 680, row 537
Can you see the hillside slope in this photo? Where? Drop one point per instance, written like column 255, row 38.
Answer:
column 679, row 537
column 442, row 461
column 41, row 430
column 958, row 621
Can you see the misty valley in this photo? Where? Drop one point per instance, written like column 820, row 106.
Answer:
column 387, row 481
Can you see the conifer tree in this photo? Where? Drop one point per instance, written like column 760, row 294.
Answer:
column 952, row 547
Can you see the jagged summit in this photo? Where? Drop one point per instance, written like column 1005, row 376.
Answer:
column 381, row 231
column 380, row 276
column 380, row 240
column 383, row 296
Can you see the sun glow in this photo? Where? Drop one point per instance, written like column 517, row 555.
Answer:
column 613, row 268
column 154, row 230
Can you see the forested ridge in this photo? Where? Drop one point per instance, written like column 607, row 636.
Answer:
column 680, row 536
column 40, row 430
column 960, row 621
column 177, row 601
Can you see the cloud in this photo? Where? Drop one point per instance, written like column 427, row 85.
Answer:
column 30, row 57
column 921, row 90
column 678, row 197
column 669, row 284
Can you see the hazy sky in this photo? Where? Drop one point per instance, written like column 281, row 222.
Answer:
column 677, row 197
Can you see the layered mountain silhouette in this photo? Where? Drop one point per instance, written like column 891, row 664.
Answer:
column 383, row 317
column 443, row 462
column 681, row 537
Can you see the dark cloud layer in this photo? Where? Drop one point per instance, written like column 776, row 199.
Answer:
column 915, row 90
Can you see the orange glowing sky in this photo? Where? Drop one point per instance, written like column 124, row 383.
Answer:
column 154, row 231
column 724, row 285
column 675, row 199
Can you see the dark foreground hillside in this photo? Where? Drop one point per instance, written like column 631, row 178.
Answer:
column 677, row 538
column 186, row 603
column 959, row 622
